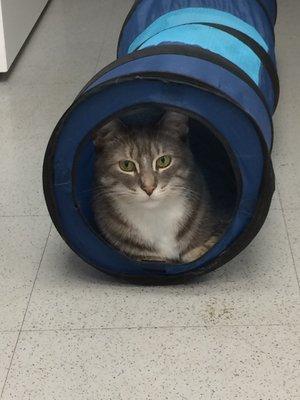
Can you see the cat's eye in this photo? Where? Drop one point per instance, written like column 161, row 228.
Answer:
column 163, row 162
column 127, row 166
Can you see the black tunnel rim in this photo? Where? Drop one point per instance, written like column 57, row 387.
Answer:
column 190, row 51
column 242, row 241
column 137, row 2
column 229, row 153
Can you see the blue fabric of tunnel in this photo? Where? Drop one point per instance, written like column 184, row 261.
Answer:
column 85, row 117
column 148, row 11
column 213, row 59
column 203, row 71
column 180, row 22
column 214, row 40
column 192, row 15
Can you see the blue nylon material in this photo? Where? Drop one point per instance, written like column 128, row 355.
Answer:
column 271, row 8
column 203, row 71
column 214, row 40
column 101, row 105
column 230, row 118
column 148, row 11
column 194, row 15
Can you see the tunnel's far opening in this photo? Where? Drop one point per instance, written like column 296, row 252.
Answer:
column 211, row 151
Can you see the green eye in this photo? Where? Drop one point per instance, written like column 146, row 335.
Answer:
column 163, row 162
column 127, row 165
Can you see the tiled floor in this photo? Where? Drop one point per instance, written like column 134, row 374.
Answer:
column 69, row 332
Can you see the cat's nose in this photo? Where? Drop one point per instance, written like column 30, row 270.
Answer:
column 149, row 189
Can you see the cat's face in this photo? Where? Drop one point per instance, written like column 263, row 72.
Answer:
column 144, row 165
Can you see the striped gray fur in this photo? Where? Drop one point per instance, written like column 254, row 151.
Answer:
column 151, row 213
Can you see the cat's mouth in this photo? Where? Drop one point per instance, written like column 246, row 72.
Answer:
column 150, row 201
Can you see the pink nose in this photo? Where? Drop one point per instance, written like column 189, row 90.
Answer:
column 148, row 189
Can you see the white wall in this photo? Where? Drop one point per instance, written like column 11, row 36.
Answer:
column 3, row 61
column 17, row 18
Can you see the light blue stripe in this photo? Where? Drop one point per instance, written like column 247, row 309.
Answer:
column 193, row 16
column 216, row 41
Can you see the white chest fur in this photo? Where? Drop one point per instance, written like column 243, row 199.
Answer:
column 158, row 225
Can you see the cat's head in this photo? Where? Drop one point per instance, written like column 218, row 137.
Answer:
column 144, row 164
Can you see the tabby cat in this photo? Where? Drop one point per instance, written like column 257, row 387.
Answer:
column 150, row 198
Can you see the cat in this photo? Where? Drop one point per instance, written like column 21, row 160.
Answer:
column 150, row 198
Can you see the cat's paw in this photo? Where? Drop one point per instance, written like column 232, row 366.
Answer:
column 194, row 254
column 199, row 251
column 150, row 259
column 211, row 242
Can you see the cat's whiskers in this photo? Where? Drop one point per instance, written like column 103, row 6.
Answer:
column 188, row 192
column 113, row 194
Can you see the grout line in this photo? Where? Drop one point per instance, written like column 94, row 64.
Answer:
column 36, row 276
column 271, row 356
column 25, row 313
column 289, row 239
column 34, row 30
column 113, row 4
column 156, row 327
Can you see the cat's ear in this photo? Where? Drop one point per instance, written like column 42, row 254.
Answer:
column 106, row 133
column 175, row 122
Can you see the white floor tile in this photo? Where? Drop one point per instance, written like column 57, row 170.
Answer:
column 258, row 287
column 246, row 363
column 28, row 116
column 66, row 44
column 108, row 51
column 22, row 241
column 7, row 345
column 287, row 117
column 293, row 225
column 21, row 180
column 288, row 181
column 275, row 205
column 29, row 113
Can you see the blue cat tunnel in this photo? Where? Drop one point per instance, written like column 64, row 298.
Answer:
column 211, row 59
